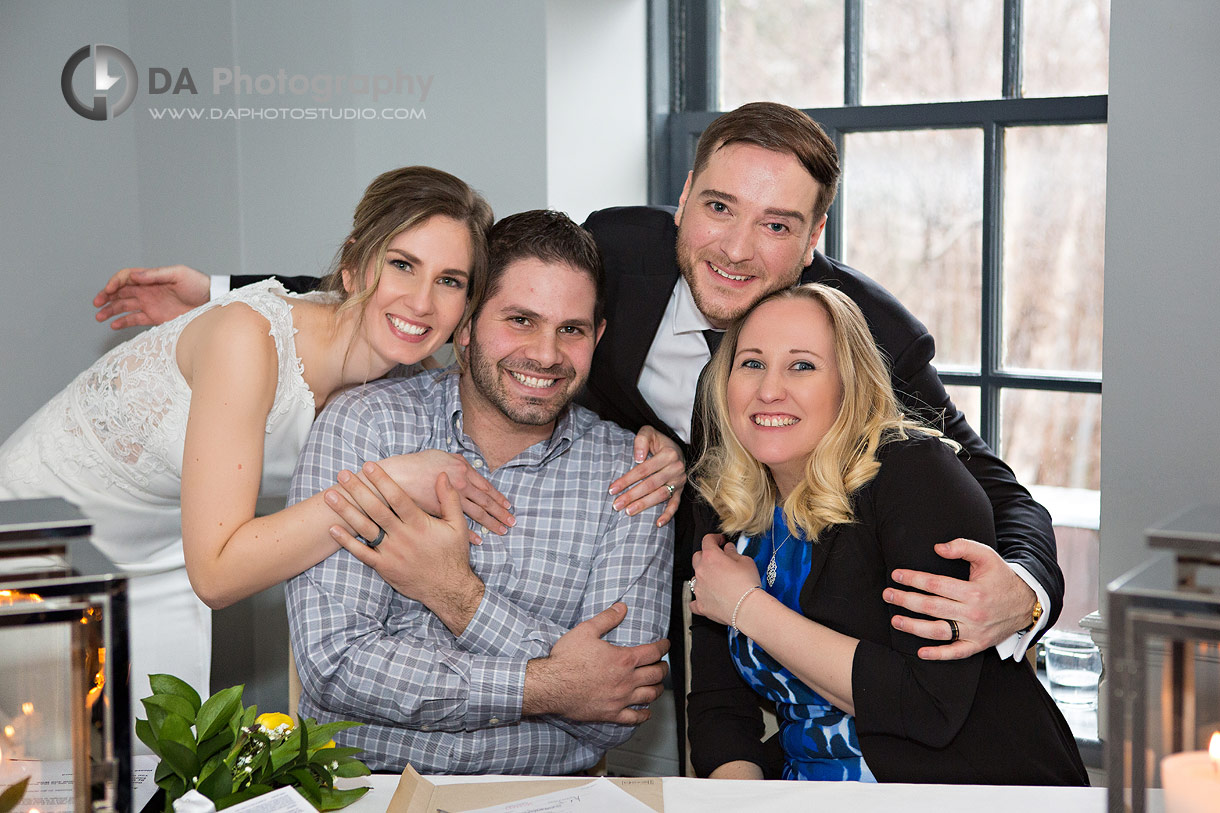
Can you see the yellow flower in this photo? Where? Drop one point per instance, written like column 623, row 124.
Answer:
column 330, row 744
column 273, row 721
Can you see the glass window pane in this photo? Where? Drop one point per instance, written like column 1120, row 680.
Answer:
column 1067, row 48
column 932, row 50
column 1052, row 438
column 1054, row 247
column 1078, row 552
column 912, row 216
column 966, row 399
column 788, row 51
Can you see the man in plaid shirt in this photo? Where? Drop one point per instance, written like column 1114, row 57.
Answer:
column 534, row 651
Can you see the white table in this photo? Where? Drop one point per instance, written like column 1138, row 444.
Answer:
column 712, row 796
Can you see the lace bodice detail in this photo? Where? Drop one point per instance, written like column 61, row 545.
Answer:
column 125, row 417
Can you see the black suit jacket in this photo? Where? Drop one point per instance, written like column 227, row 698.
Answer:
column 637, row 245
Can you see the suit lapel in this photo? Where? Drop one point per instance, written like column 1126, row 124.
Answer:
column 636, row 317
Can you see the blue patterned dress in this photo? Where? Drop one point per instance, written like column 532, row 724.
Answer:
column 819, row 740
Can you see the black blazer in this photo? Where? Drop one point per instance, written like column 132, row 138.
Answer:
column 980, row 720
column 637, row 245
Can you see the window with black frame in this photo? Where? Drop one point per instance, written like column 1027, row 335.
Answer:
column 972, row 135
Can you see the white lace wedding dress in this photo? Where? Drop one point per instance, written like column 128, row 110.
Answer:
column 111, row 443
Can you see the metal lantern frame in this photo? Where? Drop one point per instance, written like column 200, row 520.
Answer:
column 54, row 575
column 1170, row 598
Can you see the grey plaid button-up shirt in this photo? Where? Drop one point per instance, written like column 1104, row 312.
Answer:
column 453, row 704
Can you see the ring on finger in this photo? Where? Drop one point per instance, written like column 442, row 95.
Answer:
column 692, row 585
column 954, row 632
column 377, row 540
column 670, row 488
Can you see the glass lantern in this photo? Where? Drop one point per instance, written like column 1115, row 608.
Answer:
column 1163, row 673
column 65, row 718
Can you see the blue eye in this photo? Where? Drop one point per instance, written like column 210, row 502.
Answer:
column 752, row 364
column 777, row 228
column 803, row 366
column 717, row 206
column 452, row 282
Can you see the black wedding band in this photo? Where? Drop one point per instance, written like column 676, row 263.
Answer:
column 378, row 540
column 954, row 633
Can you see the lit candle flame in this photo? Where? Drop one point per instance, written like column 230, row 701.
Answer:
column 9, row 731
column 1213, row 750
column 27, row 708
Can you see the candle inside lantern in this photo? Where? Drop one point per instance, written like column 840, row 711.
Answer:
column 1192, row 780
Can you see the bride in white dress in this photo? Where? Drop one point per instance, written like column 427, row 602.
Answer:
column 166, row 441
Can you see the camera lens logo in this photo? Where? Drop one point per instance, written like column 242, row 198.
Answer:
column 105, row 59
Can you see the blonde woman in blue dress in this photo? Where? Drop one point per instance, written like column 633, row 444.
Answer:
column 167, row 440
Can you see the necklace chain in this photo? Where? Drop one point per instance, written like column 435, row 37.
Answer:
column 772, row 570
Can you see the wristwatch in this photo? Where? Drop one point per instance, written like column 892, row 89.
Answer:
column 1035, row 614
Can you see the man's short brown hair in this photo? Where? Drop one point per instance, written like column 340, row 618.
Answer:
column 782, row 129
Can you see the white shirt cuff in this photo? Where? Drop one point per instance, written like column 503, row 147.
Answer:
column 220, row 285
column 1015, row 645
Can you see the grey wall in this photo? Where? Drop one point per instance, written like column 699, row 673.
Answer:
column 1160, row 450
column 83, row 199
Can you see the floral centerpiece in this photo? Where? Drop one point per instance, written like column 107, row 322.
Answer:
column 229, row 752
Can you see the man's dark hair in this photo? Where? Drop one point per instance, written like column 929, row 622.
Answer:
column 539, row 234
column 780, row 128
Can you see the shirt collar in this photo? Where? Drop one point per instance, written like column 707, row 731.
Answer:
column 687, row 316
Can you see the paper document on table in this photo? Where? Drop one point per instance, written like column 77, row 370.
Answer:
column 599, row 796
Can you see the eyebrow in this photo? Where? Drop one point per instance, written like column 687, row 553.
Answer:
column 796, row 351
column 516, row 310
column 716, row 194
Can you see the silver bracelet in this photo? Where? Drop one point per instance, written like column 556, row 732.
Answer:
column 733, row 620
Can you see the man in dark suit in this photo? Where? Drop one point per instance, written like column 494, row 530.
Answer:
column 747, row 223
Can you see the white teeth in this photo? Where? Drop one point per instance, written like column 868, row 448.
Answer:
column 531, row 381
column 727, row 275
column 406, row 327
column 766, row 420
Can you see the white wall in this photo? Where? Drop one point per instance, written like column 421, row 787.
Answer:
column 535, row 103
column 1160, row 448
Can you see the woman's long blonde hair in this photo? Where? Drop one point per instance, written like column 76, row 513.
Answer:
column 741, row 489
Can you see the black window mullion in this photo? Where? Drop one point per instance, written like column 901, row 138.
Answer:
column 853, row 51
column 1013, row 22
column 992, row 282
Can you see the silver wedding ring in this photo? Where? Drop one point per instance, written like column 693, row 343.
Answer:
column 671, row 489
column 378, row 540
column 692, row 585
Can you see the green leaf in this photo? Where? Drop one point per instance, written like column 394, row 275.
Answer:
column 170, row 685
column 216, row 781
column 247, row 718
column 319, row 735
column 308, row 786
column 164, row 771
column 181, row 759
column 349, row 768
column 217, row 711
column 12, row 796
column 334, row 799
column 215, row 745
column 242, row 795
column 175, row 729
column 156, row 715
column 172, row 704
column 328, row 755
column 145, row 732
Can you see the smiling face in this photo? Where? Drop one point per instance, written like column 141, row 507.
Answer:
column 784, row 387
column 530, row 347
column 422, row 291
column 745, row 228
